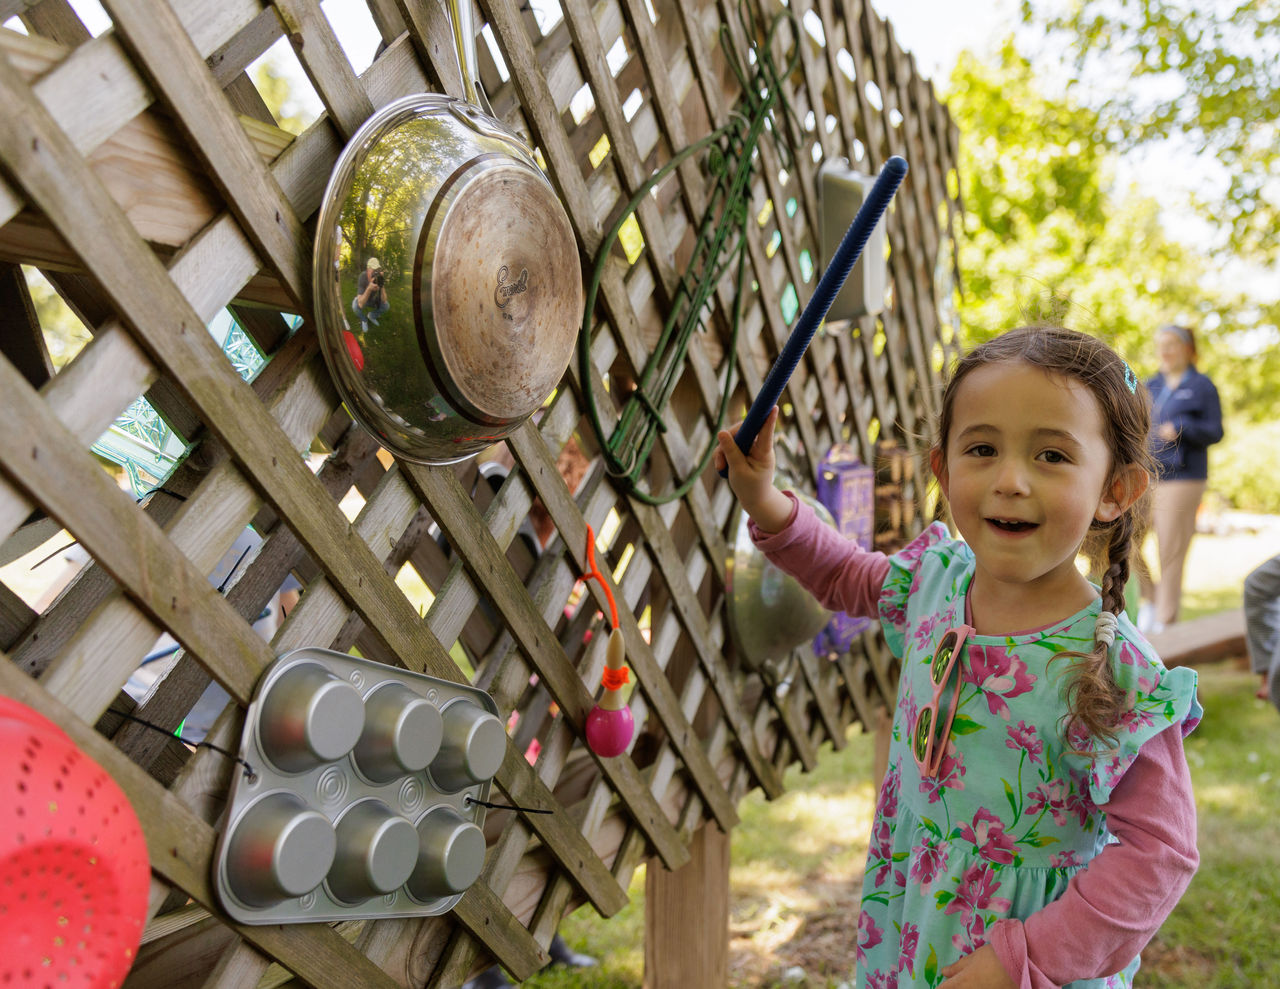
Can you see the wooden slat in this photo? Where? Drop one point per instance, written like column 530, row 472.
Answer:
column 695, row 625
column 534, row 458
column 71, row 487
column 55, row 20
column 176, row 70
column 143, row 291
column 1202, row 640
column 449, row 504
column 825, row 702
column 325, row 64
column 659, row 541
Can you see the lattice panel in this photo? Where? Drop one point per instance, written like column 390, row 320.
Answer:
column 142, row 173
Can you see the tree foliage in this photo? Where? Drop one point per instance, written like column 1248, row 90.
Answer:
column 1048, row 236
column 1204, row 70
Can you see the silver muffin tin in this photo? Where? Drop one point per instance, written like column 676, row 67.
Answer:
column 361, row 802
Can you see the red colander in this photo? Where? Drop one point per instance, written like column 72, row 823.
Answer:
column 74, row 869
column 353, row 349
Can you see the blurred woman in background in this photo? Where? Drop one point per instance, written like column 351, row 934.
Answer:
column 1186, row 419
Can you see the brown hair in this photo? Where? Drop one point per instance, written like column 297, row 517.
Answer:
column 1094, row 701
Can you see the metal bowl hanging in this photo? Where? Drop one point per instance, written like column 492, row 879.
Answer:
column 447, row 282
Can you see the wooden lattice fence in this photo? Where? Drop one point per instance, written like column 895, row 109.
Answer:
column 145, row 177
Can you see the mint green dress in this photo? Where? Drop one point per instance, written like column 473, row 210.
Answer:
column 1012, row 814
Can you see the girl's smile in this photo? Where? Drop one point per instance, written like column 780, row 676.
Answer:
column 1025, row 471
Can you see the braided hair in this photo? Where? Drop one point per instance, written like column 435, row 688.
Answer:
column 1094, row 700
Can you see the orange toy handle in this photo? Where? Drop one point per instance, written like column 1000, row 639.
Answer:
column 594, row 573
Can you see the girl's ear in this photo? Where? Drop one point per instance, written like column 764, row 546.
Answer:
column 1127, row 485
column 939, row 469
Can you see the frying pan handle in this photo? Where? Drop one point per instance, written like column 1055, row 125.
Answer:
column 815, row 311
column 463, row 26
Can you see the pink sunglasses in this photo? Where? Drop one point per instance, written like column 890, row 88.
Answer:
column 928, row 743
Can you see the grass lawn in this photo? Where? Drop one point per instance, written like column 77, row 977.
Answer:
column 797, row 861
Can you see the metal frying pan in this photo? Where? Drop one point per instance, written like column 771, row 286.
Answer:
column 476, row 316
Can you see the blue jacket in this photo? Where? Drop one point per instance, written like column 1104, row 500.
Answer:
column 1194, row 410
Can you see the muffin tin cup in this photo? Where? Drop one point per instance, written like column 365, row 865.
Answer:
column 402, row 734
column 473, row 745
column 363, row 798
column 451, row 856
column 377, row 852
column 279, row 849
column 309, row 717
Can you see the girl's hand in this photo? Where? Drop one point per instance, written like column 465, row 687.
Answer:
column 980, row 970
column 751, row 475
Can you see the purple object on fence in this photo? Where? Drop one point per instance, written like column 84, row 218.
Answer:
column 815, row 311
column 846, row 487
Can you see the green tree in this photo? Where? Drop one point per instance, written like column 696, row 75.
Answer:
column 1207, row 71
column 273, row 85
column 1047, row 235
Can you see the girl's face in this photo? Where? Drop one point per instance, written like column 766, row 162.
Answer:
column 1026, row 470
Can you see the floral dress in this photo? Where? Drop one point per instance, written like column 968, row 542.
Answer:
column 1013, row 814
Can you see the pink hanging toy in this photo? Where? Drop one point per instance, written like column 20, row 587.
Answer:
column 610, row 725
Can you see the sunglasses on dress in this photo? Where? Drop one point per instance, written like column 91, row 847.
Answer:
column 930, row 731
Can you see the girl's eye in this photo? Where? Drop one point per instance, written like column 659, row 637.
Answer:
column 981, row 450
column 1053, row 457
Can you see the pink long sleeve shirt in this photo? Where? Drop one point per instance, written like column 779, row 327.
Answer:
column 1105, row 918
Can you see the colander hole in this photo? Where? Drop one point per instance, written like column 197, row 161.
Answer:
column 22, row 786
column 57, row 785
column 26, row 767
column 36, row 742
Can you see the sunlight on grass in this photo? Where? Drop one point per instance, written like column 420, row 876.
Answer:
column 1232, row 796
column 617, row 943
column 1222, row 933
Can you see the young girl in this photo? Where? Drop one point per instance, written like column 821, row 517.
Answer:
column 1036, row 824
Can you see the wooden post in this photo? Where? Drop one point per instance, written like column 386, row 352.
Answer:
column 686, row 917
column 884, row 734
